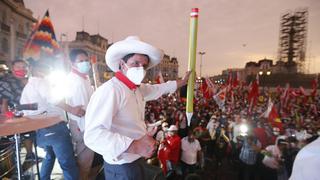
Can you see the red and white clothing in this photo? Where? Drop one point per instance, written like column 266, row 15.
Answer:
column 169, row 151
column 78, row 93
column 115, row 117
column 189, row 151
column 273, row 160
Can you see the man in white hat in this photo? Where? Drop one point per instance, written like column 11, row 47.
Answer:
column 79, row 93
column 114, row 120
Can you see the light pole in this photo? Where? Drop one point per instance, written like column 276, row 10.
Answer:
column 201, row 53
column 63, row 35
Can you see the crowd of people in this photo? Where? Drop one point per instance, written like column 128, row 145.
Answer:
column 244, row 136
column 126, row 121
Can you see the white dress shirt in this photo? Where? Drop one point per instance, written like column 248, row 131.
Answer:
column 38, row 90
column 79, row 93
column 307, row 162
column 189, row 151
column 115, row 117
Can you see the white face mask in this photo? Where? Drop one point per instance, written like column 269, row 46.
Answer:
column 135, row 74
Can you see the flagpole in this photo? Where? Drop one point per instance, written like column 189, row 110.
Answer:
column 95, row 71
column 192, row 61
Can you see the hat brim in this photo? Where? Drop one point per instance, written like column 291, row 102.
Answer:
column 129, row 46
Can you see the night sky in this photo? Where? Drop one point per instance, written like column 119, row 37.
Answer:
column 231, row 32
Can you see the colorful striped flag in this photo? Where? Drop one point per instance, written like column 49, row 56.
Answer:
column 42, row 43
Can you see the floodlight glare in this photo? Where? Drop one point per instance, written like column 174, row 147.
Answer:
column 244, row 129
column 58, row 85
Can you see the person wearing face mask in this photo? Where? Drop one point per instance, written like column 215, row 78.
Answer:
column 11, row 86
column 78, row 94
column 161, row 134
column 54, row 140
column 169, row 152
column 114, row 122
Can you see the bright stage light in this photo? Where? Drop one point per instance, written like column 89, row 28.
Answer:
column 58, row 85
column 244, row 129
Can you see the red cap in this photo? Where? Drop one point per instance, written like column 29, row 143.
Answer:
column 194, row 12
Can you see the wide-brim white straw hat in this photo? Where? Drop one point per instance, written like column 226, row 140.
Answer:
column 132, row 44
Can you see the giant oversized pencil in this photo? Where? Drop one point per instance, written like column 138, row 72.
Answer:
column 192, row 61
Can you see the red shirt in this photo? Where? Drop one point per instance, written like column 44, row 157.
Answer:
column 171, row 151
column 173, row 148
column 262, row 136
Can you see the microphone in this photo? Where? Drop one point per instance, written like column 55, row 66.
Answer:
column 21, row 107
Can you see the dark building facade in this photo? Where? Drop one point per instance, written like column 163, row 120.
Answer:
column 169, row 68
column 16, row 23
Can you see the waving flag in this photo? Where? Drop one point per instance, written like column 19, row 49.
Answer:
column 205, row 89
column 211, row 85
column 236, row 80
column 220, row 98
column 284, row 98
column 272, row 114
column 254, row 93
column 42, row 43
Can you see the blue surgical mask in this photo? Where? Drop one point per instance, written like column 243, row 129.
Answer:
column 83, row 67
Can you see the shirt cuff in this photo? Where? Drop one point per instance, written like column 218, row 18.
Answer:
column 126, row 142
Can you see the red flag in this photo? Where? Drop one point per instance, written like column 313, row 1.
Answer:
column 285, row 96
column 254, row 93
column 220, row 98
column 236, row 80
column 211, row 85
column 273, row 116
column 206, row 91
